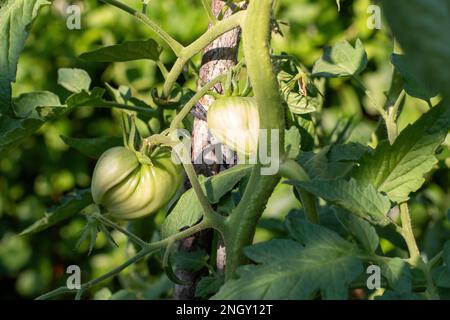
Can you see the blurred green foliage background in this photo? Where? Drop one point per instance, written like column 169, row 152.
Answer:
column 36, row 175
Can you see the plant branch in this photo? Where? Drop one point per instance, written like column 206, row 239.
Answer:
column 408, row 235
column 148, row 249
column 171, row 42
column 176, row 122
column 198, row 45
column 129, row 234
column 211, row 17
column 106, row 104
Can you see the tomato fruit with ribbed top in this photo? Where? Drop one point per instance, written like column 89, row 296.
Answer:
column 129, row 188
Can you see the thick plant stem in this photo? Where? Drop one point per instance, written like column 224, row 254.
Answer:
column 292, row 170
column 408, row 235
column 241, row 224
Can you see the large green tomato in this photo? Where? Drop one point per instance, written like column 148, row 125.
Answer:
column 234, row 121
column 129, row 189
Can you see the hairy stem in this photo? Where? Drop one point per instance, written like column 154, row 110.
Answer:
column 242, row 222
column 408, row 235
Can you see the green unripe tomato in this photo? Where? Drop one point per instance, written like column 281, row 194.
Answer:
column 129, row 189
column 234, row 121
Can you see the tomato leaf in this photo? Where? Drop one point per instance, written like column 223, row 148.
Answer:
column 71, row 204
column 208, row 285
column 74, row 80
column 360, row 229
column 399, row 169
column 397, row 273
column 92, row 147
column 364, row 201
column 15, row 16
column 14, row 131
column 317, row 260
column 190, row 261
column 412, row 84
column 188, row 210
column 421, row 27
column 126, row 51
column 341, row 60
column 25, row 105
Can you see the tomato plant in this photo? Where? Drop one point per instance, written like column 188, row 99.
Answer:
column 355, row 179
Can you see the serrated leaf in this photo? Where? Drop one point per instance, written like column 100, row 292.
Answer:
column 83, row 98
column 207, row 286
column 321, row 166
column 351, row 151
column 25, row 104
column 399, row 169
column 360, row 229
column 190, row 261
column 397, row 274
column 441, row 277
column 15, row 16
column 341, row 60
column 413, row 86
column 70, row 205
column 14, row 131
column 126, row 51
column 188, row 210
column 74, row 80
column 92, row 147
column 288, row 270
column 359, row 199
column 421, row 27
column 292, row 141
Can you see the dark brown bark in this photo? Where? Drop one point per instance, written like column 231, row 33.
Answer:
column 218, row 58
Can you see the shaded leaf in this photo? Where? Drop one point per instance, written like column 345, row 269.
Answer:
column 397, row 274
column 92, row 147
column 288, row 270
column 413, row 86
column 71, row 204
column 126, row 51
column 207, row 286
column 364, row 201
column 421, row 27
column 360, row 229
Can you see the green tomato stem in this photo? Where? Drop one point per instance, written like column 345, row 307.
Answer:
column 176, row 122
column 147, row 111
column 171, row 42
column 147, row 250
column 241, row 224
column 134, row 238
column 198, row 45
column 206, row 4
column 408, row 235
